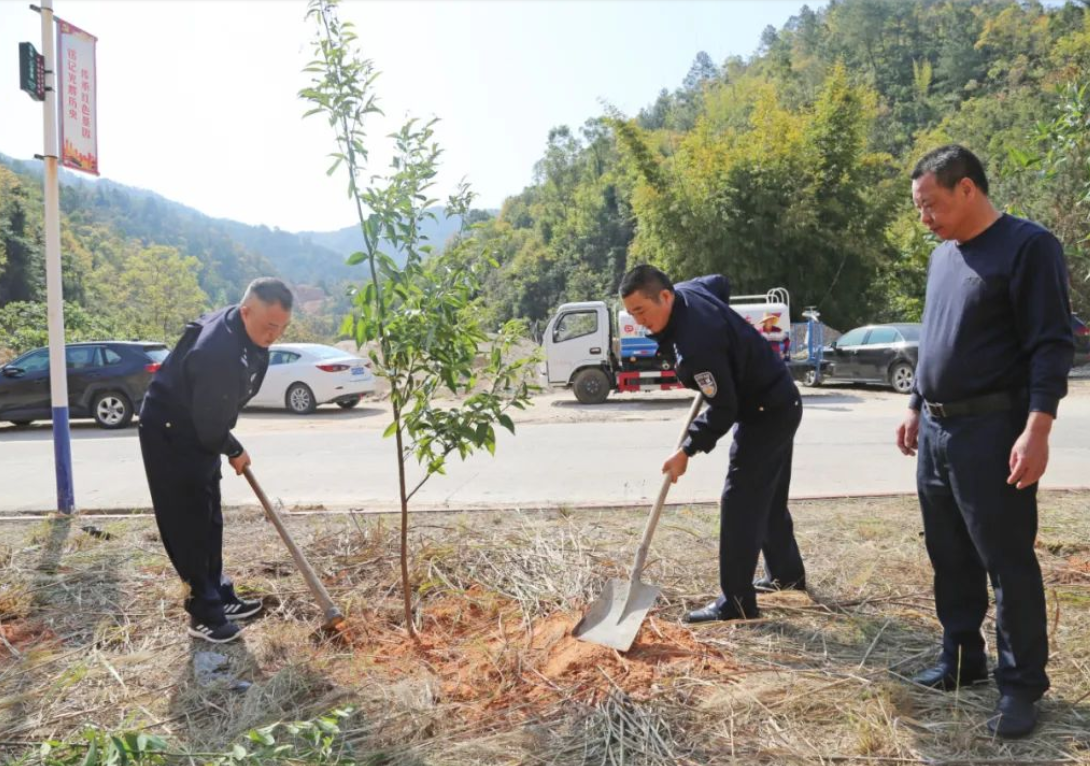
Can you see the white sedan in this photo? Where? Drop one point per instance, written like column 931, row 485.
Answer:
column 303, row 375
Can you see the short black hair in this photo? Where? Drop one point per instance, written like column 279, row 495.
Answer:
column 270, row 290
column 950, row 164
column 648, row 280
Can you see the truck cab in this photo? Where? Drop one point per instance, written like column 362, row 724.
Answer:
column 577, row 337
column 587, row 351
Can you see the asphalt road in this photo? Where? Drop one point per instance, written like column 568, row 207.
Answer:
column 562, row 454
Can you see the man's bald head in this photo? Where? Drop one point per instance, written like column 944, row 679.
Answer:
column 266, row 310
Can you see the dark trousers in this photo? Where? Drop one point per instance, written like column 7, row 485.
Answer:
column 753, row 511
column 185, row 492
column 979, row 528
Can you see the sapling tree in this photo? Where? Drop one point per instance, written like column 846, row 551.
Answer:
column 451, row 382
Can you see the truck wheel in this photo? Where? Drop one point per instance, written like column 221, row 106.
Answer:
column 811, row 379
column 591, row 386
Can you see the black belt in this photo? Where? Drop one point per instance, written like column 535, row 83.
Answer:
column 977, row 405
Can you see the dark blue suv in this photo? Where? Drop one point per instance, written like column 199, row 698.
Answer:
column 106, row 382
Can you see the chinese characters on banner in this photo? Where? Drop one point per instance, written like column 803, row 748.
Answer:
column 75, row 68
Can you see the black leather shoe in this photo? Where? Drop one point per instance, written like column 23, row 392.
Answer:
column 1014, row 717
column 768, row 585
column 947, row 679
column 719, row 610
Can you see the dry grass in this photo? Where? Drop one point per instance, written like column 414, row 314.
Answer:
column 92, row 632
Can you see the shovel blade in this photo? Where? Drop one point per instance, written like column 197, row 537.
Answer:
column 616, row 617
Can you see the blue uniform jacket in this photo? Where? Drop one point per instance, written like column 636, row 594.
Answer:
column 717, row 352
column 205, row 382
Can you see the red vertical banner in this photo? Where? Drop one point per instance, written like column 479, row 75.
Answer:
column 76, row 98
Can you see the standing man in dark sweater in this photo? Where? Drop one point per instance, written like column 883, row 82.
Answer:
column 995, row 353
column 185, row 426
column 747, row 387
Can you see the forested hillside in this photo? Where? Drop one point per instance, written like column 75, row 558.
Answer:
column 791, row 167
column 139, row 265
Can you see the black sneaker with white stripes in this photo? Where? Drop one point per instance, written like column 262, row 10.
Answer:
column 240, row 608
column 221, row 634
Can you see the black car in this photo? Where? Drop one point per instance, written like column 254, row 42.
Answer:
column 1082, row 341
column 106, row 381
column 877, row 353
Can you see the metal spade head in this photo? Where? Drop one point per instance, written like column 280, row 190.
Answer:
column 614, row 619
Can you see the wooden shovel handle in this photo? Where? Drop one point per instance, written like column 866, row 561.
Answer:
column 333, row 615
column 656, row 509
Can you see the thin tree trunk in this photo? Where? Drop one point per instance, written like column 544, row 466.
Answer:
column 404, row 496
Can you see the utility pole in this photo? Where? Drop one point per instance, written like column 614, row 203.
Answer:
column 58, row 368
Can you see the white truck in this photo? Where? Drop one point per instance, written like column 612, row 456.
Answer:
column 587, row 352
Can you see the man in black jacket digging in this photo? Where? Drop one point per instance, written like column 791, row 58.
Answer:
column 748, row 387
column 190, row 408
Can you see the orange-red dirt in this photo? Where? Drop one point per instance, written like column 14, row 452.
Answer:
column 482, row 654
column 1078, row 567
column 22, row 635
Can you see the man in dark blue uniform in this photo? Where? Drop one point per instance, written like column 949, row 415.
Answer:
column 995, row 352
column 190, row 408
column 716, row 351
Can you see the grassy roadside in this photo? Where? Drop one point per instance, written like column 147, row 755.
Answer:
column 93, row 634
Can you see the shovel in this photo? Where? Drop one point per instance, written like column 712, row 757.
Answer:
column 615, row 618
column 334, row 620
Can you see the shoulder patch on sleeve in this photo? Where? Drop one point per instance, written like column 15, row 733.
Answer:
column 706, row 382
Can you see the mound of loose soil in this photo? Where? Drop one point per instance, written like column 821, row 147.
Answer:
column 483, row 654
column 24, row 634
column 1077, row 570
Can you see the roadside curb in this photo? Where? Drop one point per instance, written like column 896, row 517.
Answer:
column 389, row 509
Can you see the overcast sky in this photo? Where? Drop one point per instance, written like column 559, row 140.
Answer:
column 197, row 99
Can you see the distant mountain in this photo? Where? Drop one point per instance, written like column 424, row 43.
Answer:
column 231, row 252
column 437, row 232
column 296, row 257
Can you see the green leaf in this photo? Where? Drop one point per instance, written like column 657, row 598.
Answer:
column 117, row 751
column 356, row 258
column 348, row 325
column 262, row 736
column 155, row 743
column 90, row 758
column 390, row 430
